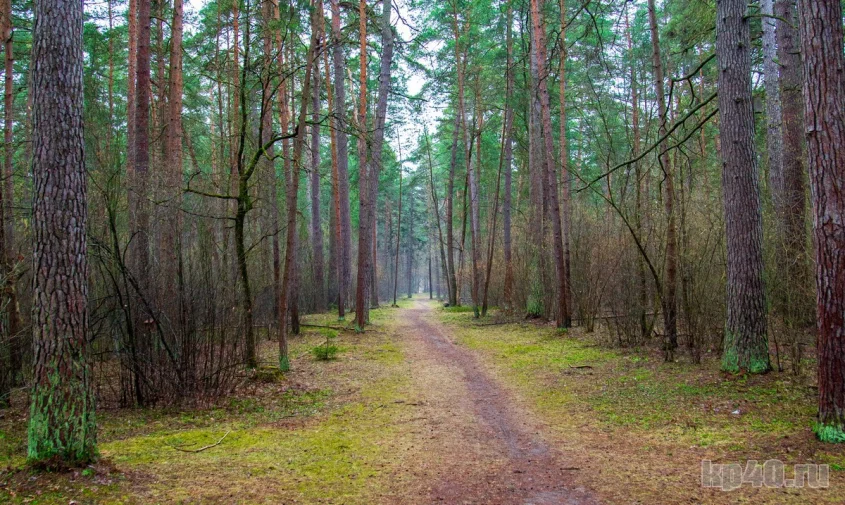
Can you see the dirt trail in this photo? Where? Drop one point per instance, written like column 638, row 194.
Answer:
column 489, row 451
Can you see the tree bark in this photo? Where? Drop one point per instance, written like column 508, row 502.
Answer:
column 792, row 254
column 337, row 292
column 641, row 193
column 139, row 218
column 171, row 301
column 398, row 237
column 746, row 344
column 669, row 297
column 436, row 204
column 62, row 421
column 287, row 305
column 364, row 256
column 550, row 179
column 7, row 222
column 773, row 107
column 566, row 225
column 339, row 118
column 409, row 245
column 507, row 155
column 824, row 104
column 316, row 227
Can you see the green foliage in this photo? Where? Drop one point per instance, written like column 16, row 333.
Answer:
column 284, row 363
column 829, row 434
column 754, row 361
column 62, row 423
column 534, row 306
column 458, row 309
column 326, row 351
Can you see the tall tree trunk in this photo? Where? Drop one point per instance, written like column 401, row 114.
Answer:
column 669, row 297
column 138, row 196
column 374, row 261
column 409, row 245
column 8, row 100
column 340, row 126
column 287, row 304
column 378, row 135
column 773, row 108
column 7, row 222
column 62, row 422
column 507, row 155
column 472, row 177
column 244, row 204
column 316, row 227
column 566, row 225
column 436, row 205
column 452, row 280
column 170, row 252
column 746, row 344
column 336, row 290
column 793, row 199
column 362, row 315
column 640, row 209
column 492, row 243
column 398, row 237
column 824, row 104
column 539, row 47
column 272, row 12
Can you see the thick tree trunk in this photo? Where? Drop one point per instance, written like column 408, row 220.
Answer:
column 550, row 179
column 62, row 421
column 824, row 101
column 668, row 298
column 746, row 344
column 340, row 126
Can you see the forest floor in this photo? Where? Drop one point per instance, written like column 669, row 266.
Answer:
column 431, row 406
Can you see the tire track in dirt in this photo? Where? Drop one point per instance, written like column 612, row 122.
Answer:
column 489, row 452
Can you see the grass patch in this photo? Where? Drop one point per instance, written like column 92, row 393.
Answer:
column 324, row 432
column 666, row 417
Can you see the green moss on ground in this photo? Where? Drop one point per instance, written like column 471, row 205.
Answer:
column 665, row 416
column 327, row 432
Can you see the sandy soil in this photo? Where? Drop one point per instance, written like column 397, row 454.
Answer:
column 487, row 451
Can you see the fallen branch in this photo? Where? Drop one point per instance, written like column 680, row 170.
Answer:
column 203, row 448
column 581, row 366
column 339, row 328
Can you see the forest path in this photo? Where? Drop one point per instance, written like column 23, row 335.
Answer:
column 489, row 450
